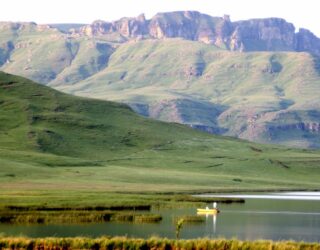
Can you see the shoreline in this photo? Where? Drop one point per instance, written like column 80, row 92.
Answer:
column 131, row 203
column 31, row 214
column 131, row 207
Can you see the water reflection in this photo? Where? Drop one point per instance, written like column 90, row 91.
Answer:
column 314, row 196
column 210, row 218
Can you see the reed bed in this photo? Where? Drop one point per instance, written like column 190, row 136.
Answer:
column 137, row 218
column 147, row 218
column 45, row 217
column 139, row 207
column 60, row 217
column 123, row 243
column 190, row 219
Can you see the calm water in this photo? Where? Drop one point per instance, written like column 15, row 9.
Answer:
column 283, row 216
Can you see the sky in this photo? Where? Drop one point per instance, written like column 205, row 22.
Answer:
column 302, row 13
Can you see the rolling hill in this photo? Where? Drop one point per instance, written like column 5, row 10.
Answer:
column 268, row 97
column 256, row 79
column 50, row 141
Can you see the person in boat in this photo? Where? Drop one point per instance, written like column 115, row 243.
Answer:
column 215, row 205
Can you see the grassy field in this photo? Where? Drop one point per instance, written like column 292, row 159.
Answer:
column 65, row 150
column 152, row 243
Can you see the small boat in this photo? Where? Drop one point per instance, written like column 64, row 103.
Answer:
column 208, row 210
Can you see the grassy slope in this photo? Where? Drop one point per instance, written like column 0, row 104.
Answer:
column 46, row 54
column 38, row 53
column 256, row 94
column 51, row 142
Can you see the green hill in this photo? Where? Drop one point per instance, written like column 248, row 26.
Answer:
column 46, row 54
column 57, row 146
column 268, row 97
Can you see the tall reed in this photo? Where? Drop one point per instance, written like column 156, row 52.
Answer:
column 123, row 243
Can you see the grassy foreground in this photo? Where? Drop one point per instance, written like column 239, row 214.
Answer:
column 122, row 243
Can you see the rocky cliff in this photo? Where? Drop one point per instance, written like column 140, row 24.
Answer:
column 128, row 27
column 269, row 34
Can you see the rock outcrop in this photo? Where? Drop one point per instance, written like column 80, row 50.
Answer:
column 191, row 25
column 128, row 27
column 268, row 34
column 307, row 41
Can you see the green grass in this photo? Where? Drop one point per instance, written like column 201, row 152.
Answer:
column 60, row 149
column 152, row 243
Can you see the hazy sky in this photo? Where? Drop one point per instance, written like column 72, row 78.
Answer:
column 302, row 13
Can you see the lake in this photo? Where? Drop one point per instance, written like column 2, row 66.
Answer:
column 275, row 216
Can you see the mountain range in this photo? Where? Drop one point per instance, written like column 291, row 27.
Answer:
column 256, row 79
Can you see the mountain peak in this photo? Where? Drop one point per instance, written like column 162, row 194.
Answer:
column 141, row 18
